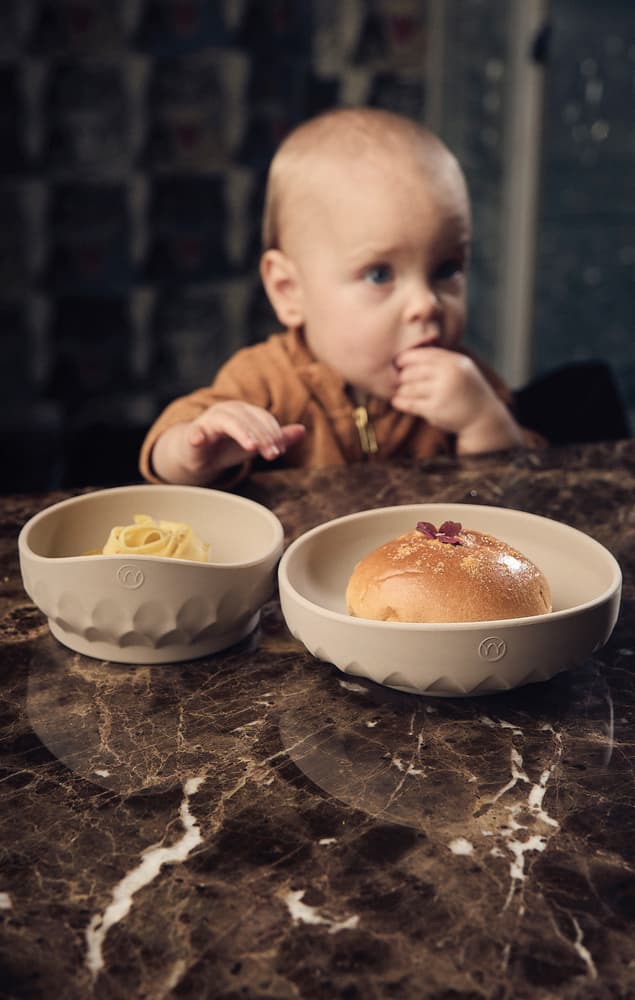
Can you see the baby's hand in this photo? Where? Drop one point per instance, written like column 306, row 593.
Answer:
column 449, row 391
column 222, row 436
column 443, row 386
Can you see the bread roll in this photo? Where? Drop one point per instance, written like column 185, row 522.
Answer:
column 446, row 575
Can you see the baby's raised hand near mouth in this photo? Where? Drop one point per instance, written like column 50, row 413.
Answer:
column 448, row 390
column 224, row 435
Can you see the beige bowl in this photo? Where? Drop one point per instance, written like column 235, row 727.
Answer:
column 147, row 609
column 451, row 659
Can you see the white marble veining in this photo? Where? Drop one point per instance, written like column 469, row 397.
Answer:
column 153, row 859
column 301, row 912
column 582, row 950
column 526, row 826
column 460, row 845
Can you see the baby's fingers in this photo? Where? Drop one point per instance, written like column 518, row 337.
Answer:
column 265, row 436
column 251, row 427
column 209, row 433
column 271, row 440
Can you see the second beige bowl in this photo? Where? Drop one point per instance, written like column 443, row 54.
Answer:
column 451, row 659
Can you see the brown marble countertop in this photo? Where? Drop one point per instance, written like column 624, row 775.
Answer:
column 258, row 825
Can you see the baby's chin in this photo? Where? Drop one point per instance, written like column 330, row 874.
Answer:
column 381, row 388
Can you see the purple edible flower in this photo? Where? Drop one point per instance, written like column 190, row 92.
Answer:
column 427, row 529
column 450, row 528
column 448, row 532
column 449, row 539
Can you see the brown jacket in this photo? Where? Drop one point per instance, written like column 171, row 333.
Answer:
column 282, row 376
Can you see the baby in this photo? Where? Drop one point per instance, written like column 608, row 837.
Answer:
column 366, row 246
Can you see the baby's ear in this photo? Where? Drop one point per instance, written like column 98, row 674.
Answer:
column 282, row 286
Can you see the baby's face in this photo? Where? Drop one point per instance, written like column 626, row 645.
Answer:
column 381, row 258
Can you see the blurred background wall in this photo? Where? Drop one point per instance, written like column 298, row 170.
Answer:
column 134, row 140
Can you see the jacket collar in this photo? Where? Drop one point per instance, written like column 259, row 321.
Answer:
column 325, row 383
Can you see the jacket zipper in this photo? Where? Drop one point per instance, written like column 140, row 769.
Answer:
column 365, row 430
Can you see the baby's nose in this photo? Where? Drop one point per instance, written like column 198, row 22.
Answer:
column 422, row 304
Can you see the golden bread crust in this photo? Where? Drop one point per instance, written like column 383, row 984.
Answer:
column 415, row 578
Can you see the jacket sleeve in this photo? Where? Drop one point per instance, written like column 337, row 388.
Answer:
column 532, row 439
column 243, row 376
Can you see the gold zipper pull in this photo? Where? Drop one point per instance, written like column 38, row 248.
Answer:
column 365, row 430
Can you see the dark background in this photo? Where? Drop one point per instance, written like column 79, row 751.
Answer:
column 134, row 140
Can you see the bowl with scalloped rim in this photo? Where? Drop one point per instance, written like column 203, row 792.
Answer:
column 453, row 659
column 149, row 609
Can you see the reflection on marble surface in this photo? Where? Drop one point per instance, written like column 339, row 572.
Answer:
column 421, row 764
column 475, row 781
column 74, row 705
column 257, row 824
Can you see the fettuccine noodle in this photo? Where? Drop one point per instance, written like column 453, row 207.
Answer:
column 147, row 537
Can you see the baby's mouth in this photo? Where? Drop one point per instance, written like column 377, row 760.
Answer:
column 434, row 341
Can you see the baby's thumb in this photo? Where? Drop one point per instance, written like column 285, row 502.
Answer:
column 196, row 437
column 292, row 433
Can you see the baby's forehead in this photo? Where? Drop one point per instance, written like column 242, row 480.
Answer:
column 372, row 211
column 380, row 172
column 331, row 167
column 334, row 150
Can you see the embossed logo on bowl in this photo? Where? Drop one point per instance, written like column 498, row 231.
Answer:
column 131, row 577
column 492, row 649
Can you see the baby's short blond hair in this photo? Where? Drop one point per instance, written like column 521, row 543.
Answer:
column 343, row 133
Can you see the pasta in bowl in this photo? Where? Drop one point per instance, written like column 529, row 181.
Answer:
column 148, row 537
column 132, row 606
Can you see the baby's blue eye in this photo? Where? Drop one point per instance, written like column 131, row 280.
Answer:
column 379, row 274
column 449, row 269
